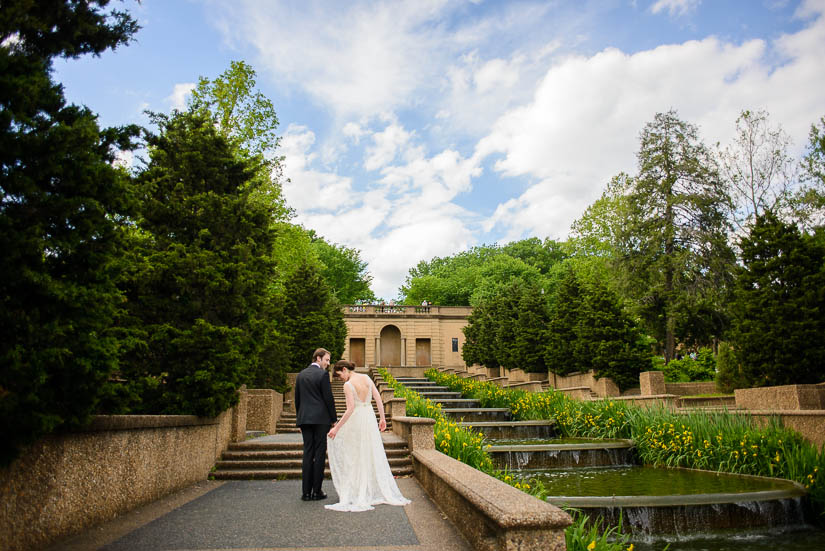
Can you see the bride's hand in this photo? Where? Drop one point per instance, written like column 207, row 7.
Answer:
column 332, row 432
column 382, row 425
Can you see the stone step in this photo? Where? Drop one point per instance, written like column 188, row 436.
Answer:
column 494, row 430
column 428, row 388
column 477, row 414
column 287, row 463
column 270, row 455
column 391, row 442
column 280, row 474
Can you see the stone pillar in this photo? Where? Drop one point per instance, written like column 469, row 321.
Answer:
column 238, row 429
column 419, row 432
column 395, row 407
column 652, row 383
column 387, row 394
column 377, row 350
column 403, row 351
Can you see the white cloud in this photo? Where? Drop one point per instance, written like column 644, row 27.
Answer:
column 357, row 58
column 387, row 144
column 310, row 190
column 177, row 98
column 404, row 215
column 675, row 7
column 582, row 125
column 354, row 131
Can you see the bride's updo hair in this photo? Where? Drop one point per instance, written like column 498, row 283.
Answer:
column 341, row 365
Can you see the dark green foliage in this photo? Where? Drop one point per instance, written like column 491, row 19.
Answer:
column 508, row 329
column 688, row 369
column 729, row 373
column 479, row 334
column 61, row 201
column 588, row 329
column 779, row 306
column 563, row 352
column 311, row 317
column 532, row 319
column 198, row 299
column 344, row 271
column 609, row 339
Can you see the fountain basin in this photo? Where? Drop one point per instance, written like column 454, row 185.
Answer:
column 656, row 501
column 570, row 453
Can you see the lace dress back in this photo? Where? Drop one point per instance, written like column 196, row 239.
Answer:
column 360, row 471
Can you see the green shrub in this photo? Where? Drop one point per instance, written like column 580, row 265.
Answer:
column 729, row 373
column 688, row 369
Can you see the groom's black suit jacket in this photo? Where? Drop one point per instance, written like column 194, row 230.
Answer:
column 314, row 404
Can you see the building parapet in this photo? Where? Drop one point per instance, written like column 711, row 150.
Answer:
column 406, row 310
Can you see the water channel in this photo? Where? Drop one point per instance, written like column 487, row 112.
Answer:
column 688, row 509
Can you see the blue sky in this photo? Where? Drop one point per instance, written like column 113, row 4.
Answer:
column 421, row 128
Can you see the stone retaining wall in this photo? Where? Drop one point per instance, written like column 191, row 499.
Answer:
column 691, row 389
column 264, row 409
column 790, row 397
column 492, row 515
column 64, row 484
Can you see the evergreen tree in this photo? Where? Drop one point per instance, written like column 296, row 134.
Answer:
column 609, row 340
column 563, row 353
column 531, row 323
column 779, row 306
column 311, row 317
column 504, row 308
column 200, row 298
column 673, row 248
column 61, row 201
column 479, row 338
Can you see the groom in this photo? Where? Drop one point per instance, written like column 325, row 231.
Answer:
column 315, row 414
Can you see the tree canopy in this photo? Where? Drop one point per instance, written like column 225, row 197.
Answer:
column 61, row 239
column 778, row 306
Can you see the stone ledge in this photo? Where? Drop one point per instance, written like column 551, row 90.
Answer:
column 128, row 422
column 491, row 514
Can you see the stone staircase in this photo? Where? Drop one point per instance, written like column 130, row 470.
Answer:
column 494, row 423
column 279, row 456
column 261, row 459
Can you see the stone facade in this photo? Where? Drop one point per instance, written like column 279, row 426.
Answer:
column 418, row 336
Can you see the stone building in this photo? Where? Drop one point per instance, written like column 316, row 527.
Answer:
column 399, row 335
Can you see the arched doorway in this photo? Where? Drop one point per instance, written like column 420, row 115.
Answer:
column 390, row 345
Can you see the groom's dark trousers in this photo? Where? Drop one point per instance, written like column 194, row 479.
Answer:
column 315, row 414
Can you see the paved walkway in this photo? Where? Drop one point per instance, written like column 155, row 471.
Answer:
column 269, row 514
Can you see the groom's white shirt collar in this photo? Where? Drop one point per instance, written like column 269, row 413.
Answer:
column 316, row 365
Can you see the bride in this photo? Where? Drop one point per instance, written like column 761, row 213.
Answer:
column 360, row 470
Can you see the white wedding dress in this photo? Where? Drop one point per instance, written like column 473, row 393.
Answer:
column 360, row 470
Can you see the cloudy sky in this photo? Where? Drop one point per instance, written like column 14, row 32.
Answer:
column 421, row 128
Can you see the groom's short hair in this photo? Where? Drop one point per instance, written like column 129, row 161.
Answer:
column 319, row 353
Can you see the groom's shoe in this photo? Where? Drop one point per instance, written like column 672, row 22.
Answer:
column 319, row 495
column 306, row 497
